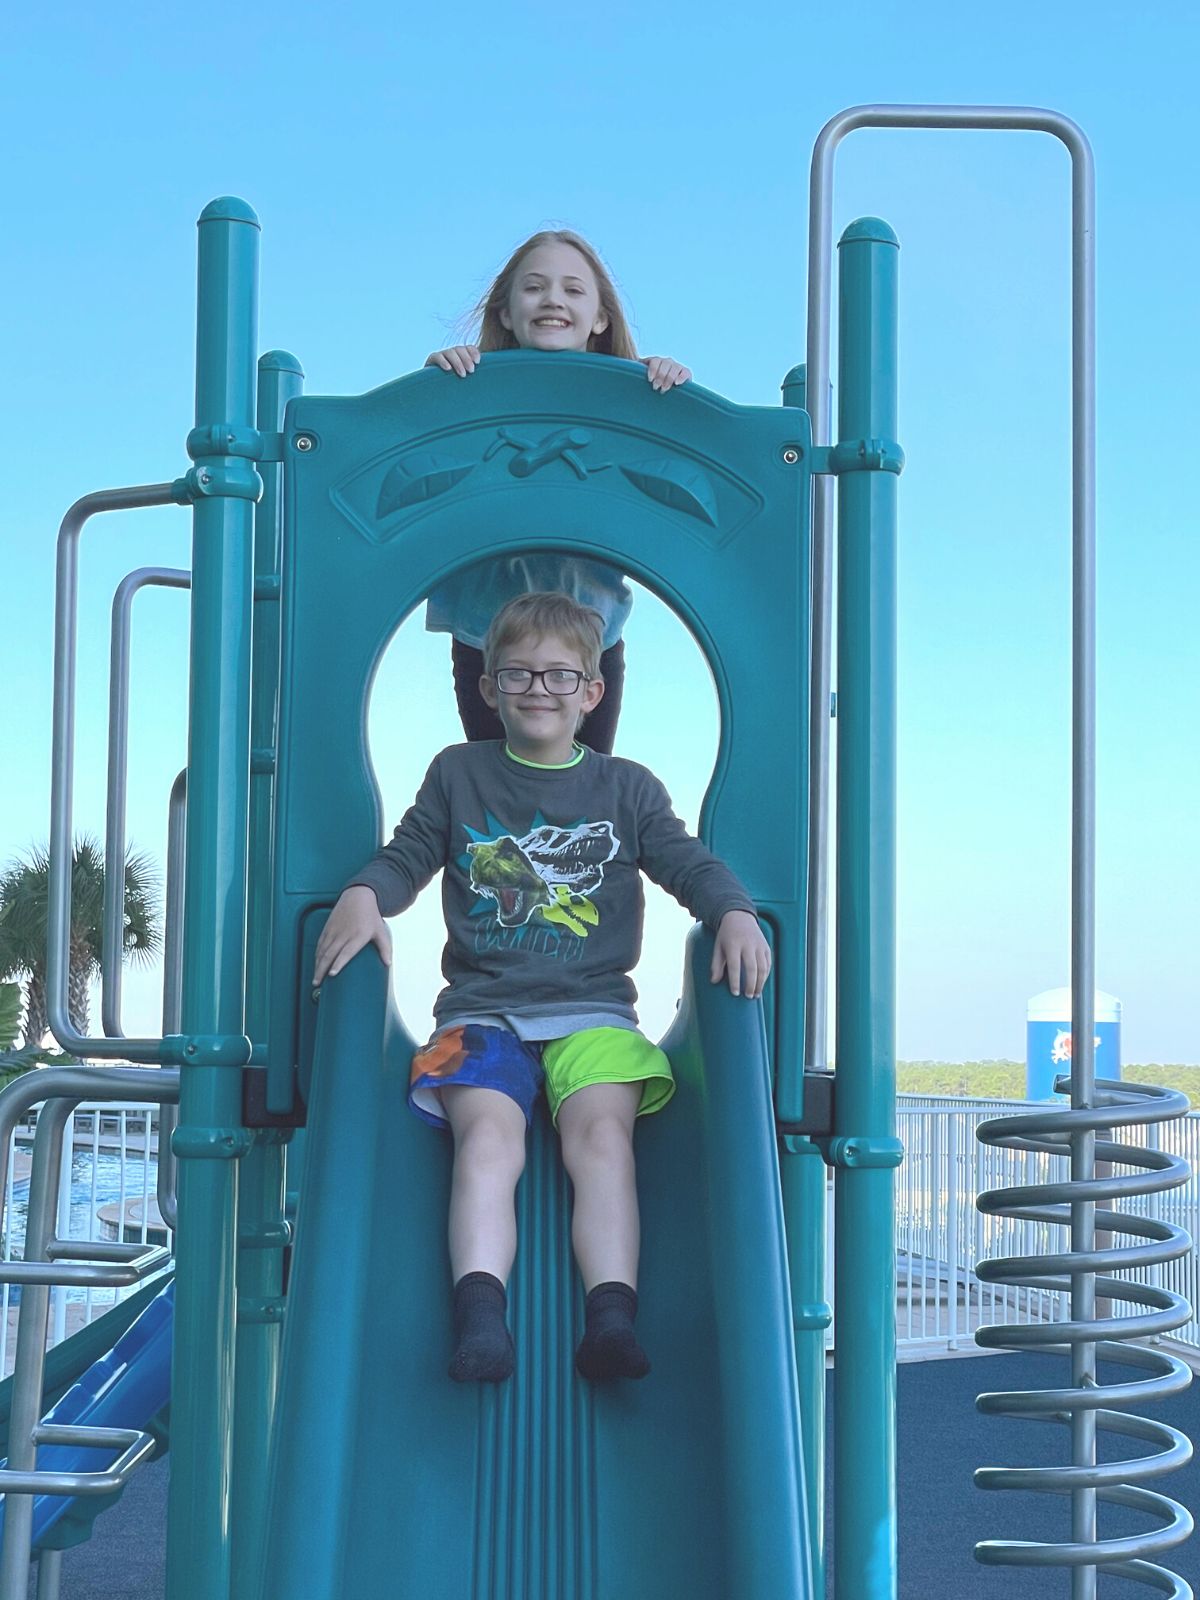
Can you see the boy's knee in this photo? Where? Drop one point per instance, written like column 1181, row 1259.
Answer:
column 492, row 1144
column 600, row 1140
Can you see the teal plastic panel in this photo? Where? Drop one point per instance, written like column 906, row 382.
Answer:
column 391, row 1480
column 705, row 502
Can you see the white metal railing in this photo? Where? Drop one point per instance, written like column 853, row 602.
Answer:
column 107, row 1190
column 940, row 1236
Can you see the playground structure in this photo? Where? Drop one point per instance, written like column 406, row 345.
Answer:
column 310, row 512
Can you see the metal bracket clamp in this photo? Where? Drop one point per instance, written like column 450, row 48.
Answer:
column 269, row 1311
column 233, row 439
column 206, row 1050
column 211, row 1144
column 856, row 1150
column 858, row 455
column 225, row 454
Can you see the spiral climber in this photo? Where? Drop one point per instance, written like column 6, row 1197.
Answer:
column 1086, row 1272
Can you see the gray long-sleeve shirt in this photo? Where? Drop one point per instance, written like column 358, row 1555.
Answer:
column 542, row 890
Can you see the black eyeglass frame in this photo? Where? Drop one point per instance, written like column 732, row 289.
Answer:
column 532, row 674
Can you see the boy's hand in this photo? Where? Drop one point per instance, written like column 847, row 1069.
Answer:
column 664, row 373
column 460, row 358
column 742, row 954
column 353, row 924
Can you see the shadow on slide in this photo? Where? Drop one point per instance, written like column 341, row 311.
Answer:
column 388, row 1479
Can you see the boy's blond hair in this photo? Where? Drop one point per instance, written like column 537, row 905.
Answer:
column 540, row 615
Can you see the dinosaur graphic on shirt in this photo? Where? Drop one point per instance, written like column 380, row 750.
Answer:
column 551, row 873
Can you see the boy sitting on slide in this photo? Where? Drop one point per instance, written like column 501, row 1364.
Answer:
column 544, row 922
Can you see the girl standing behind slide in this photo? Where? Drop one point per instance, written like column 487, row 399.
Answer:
column 553, row 293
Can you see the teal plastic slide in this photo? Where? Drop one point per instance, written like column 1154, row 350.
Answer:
column 390, row 1479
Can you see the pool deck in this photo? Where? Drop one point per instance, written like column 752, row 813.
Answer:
column 941, row 1438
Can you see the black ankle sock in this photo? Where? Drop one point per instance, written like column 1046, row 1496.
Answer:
column 484, row 1348
column 609, row 1348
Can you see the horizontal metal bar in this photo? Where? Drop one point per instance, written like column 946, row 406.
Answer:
column 69, row 1274
column 137, row 1447
column 117, row 1251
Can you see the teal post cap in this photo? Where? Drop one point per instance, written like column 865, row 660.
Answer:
column 228, row 208
column 280, row 361
column 869, row 230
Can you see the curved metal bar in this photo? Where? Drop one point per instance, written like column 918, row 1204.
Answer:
column 820, row 254
column 61, row 1088
column 112, row 940
column 63, row 767
column 78, row 1083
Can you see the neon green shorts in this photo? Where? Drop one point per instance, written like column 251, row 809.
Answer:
column 606, row 1055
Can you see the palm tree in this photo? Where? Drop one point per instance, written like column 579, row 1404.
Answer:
column 24, row 920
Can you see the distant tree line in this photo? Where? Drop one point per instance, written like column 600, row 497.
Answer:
column 1005, row 1080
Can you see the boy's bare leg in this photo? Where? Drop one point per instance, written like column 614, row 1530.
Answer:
column 489, row 1156
column 596, row 1125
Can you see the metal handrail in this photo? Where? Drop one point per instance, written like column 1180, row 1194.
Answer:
column 147, row 1051
column 1083, row 450
column 168, row 1166
column 112, row 939
column 134, row 1443
column 61, row 1089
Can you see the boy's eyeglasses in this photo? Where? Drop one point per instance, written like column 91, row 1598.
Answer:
column 555, row 680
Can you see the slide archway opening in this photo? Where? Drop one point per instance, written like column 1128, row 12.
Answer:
column 670, row 722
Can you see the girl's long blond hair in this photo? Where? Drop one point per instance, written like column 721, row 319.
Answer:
column 616, row 339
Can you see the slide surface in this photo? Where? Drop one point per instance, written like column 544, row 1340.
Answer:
column 388, row 1479
column 126, row 1388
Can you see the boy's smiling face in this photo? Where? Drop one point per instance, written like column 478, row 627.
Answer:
column 541, row 726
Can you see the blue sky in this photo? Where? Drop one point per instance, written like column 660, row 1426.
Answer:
column 395, row 161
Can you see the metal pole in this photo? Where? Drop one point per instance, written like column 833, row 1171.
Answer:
column 262, row 1231
column 168, row 1119
column 29, row 1370
column 864, row 1148
column 802, row 1176
column 49, row 1575
column 112, row 941
column 210, row 1135
column 58, row 1294
column 820, row 237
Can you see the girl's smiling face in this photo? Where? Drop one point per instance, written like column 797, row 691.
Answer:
column 554, row 302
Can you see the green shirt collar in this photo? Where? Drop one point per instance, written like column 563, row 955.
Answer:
column 547, row 766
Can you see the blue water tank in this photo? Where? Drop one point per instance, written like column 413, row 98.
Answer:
column 1048, row 1040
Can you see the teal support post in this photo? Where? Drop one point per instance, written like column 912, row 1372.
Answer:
column 864, row 1149
column 803, row 1184
column 802, row 1181
column 262, row 1231
column 210, row 1136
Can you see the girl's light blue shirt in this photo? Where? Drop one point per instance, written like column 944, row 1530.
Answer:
column 466, row 603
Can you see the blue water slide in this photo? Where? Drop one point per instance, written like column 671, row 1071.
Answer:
column 126, row 1388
